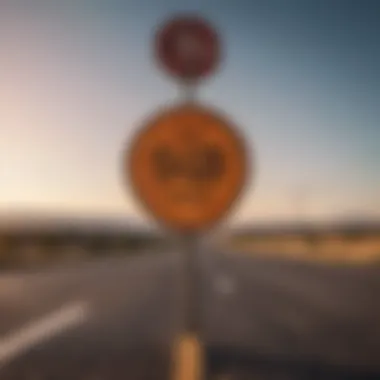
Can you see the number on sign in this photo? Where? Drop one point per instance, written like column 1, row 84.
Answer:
column 206, row 164
column 215, row 163
column 165, row 164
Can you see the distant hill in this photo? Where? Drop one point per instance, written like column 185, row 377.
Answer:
column 49, row 222
column 33, row 222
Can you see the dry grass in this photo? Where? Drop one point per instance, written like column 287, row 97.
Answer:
column 329, row 248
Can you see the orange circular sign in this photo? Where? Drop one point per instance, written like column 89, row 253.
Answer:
column 187, row 166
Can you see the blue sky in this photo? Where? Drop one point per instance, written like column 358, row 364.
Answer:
column 300, row 78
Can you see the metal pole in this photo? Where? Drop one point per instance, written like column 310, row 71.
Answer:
column 189, row 358
column 188, row 90
column 189, row 355
column 191, row 278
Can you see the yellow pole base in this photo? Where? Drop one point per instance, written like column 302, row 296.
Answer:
column 188, row 358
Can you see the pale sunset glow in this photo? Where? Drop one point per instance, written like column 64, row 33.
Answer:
column 77, row 79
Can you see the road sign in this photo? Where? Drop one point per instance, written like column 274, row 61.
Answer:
column 188, row 47
column 187, row 166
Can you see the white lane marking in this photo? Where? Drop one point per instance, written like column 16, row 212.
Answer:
column 224, row 284
column 41, row 330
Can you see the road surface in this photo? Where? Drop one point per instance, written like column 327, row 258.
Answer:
column 117, row 318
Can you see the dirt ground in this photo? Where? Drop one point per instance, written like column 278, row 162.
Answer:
column 334, row 249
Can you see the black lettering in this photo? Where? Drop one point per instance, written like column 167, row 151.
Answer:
column 215, row 165
column 165, row 163
column 208, row 164
column 204, row 164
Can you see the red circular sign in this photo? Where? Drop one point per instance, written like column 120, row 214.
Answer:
column 188, row 47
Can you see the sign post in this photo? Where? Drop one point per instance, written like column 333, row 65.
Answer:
column 187, row 165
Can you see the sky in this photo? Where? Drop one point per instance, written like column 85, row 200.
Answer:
column 300, row 79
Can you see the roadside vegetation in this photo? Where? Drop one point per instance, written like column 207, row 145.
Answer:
column 36, row 251
column 23, row 251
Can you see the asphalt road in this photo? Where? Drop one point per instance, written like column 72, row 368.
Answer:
column 118, row 317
